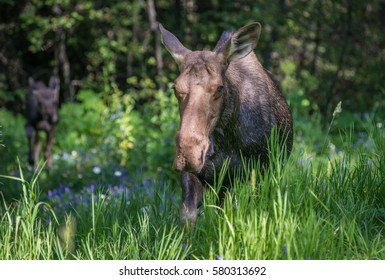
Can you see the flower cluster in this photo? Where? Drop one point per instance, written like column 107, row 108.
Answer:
column 65, row 198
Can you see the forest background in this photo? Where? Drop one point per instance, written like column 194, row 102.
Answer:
column 118, row 115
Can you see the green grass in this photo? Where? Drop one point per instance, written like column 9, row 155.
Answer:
column 316, row 206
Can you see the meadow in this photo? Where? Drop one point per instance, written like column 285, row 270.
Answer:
column 113, row 195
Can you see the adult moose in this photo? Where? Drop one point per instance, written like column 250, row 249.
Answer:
column 42, row 115
column 228, row 105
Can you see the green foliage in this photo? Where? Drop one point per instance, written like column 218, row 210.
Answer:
column 82, row 121
column 13, row 144
column 99, row 132
column 295, row 90
column 114, row 129
column 156, row 134
column 94, row 123
column 111, row 45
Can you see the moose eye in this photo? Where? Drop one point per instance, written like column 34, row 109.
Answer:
column 177, row 94
column 219, row 92
column 174, row 90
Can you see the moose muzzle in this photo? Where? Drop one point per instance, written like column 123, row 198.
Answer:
column 191, row 150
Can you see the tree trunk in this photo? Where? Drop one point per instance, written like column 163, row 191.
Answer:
column 61, row 59
column 130, row 52
column 274, row 37
column 66, row 68
column 345, row 42
column 178, row 20
column 317, row 40
column 154, row 30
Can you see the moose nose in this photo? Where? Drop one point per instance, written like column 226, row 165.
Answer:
column 179, row 163
column 190, row 153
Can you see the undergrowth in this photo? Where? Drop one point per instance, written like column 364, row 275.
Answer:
column 308, row 208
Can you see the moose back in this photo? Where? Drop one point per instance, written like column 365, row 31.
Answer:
column 42, row 114
column 228, row 105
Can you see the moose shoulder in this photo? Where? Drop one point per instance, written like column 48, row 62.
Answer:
column 228, row 105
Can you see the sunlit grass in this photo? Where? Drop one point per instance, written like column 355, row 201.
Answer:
column 315, row 206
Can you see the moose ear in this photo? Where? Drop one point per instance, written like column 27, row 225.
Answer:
column 173, row 45
column 54, row 83
column 241, row 43
column 31, row 83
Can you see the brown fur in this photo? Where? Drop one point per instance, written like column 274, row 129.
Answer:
column 228, row 105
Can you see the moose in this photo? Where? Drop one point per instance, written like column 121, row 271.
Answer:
column 228, row 105
column 42, row 114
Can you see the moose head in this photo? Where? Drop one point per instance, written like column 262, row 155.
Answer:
column 201, row 90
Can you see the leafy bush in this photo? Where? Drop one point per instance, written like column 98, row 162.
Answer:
column 159, row 124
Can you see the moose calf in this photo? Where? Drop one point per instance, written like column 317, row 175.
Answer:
column 42, row 115
column 228, row 105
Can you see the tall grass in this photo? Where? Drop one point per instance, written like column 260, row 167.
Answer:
column 311, row 207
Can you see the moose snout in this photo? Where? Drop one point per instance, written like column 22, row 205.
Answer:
column 191, row 150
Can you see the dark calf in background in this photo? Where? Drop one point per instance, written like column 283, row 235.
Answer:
column 228, row 105
column 42, row 114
